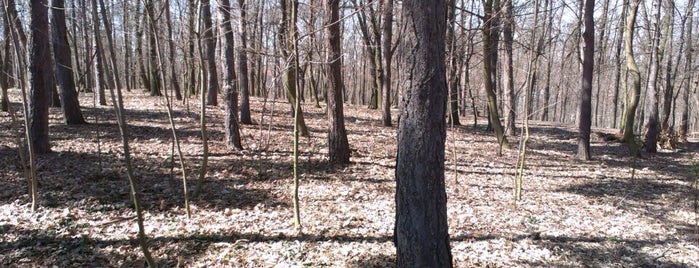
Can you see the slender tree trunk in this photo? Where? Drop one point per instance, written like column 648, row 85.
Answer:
column 618, row 69
column 452, row 54
column 651, row 128
column 508, row 37
column 171, row 55
column 64, row 71
column 41, row 73
column 585, row 108
column 5, row 63
column 229, row 85
column 99, row 56
column 634, row 75
column 490, row 51
column 243, row 66
column 421, row 233
column 153, row 68
column 388, row 57
column 684, row 117
column 288, row 38
column 110, row 43
column 338, row 146
column 210, row 41
column 127, row 45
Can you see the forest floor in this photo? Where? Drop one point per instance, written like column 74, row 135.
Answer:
column 613, row 211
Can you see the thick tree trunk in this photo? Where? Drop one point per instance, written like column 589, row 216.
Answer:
column 338, row 146
column 64, row 71
column 585, row 108
column 230, row 90
column 41, row 72
column 421, row 233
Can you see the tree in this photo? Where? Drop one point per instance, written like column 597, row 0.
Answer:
column 64, row 70
column 509, row 84
column 338, row 146
column 453, row 79
column 651, row 128
column 288, row 38
column 41, row 73
column 230, row 90
column 684, row 117
column 387, row 58
column 490, row 60
column 210, row 41
column 634, row 75
column 243, row 67
column 421, row 234
column 585, row 108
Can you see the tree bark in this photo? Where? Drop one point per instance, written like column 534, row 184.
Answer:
column 64, row 71
column 99, row 56
column 171, row 55
column 230, row 90
column 684, row 117
column 585, row 108
column 387, row 57
column 651, row 128
column 41, row 73
column 243, row 66
column 421, row 234
column 338, row 146
column 509, row 84
column 490, row 59
column 210, row 41
column 634, row 75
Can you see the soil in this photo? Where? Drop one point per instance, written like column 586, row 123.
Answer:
column 612, row 211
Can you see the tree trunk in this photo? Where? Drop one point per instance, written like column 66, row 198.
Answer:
column 585, row 108
column 230, row 90
column 421, row 233
column 452, row 53
column 288, row 41
column 64, row 71
column 243, row 67
column 634, row 75
column 171, row 55
column 41, row 73
column 651, row 128
column 490, row 59
column 210, row 41
column 684, row 117
column 338, row 146
column 510, row 102
column 153, row 73
column 387, row 56
column 99, row 56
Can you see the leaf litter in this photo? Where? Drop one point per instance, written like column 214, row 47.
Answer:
column 613, row 211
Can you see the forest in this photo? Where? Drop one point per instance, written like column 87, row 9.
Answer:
column 349, row 133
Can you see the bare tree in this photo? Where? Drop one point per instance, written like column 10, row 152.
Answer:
column 651, row 128
column 634, row 75
column 490, row 30
column 230, row 89
column 210, row 41
column 64, row 71
column 243, row 66
column 421, row 234
column 585, row 108
column 338, row 146
column 41, row 73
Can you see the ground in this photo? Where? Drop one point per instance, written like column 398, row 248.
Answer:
column 613, row 211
